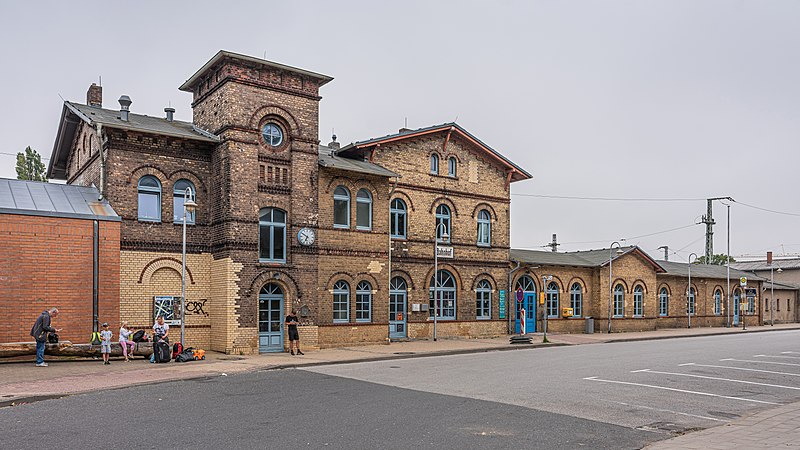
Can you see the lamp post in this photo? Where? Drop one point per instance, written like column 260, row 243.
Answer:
column 728, row 264
column 436, row 293
column 772, row 294
column 547, row 299
column 689, row 296
column 611, row 279
column 188, row 207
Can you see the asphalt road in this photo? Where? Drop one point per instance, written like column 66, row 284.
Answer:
column 590, row 396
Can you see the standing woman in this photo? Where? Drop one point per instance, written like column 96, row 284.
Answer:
column 125, row 339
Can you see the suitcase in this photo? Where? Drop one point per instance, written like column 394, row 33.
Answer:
column 177, row 348
column 161, row 352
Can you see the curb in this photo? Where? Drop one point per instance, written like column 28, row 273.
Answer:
column 721, row 333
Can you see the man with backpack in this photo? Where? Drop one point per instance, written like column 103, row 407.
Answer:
column 39, row 332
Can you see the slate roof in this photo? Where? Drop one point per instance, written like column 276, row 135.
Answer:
column 34, row 198
column 326, row 159
column 785, row 264
column 783, row 286
column 706, row 271
column 587, row 258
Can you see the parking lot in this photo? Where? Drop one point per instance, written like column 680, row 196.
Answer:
column 668, row 386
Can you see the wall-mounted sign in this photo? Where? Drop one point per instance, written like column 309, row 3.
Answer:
column 502, row 304
column 743, row 281
column 444, row 252
column 169, row 307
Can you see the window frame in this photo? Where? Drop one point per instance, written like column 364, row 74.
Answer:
column 483, row 300
column 337, row 197
column 149, row 192
column 619, row 301
column 395, row 213
column 717, row 302
column 691, row 307
column 180, row 194
column 484, row 228
column 364, row 301
column 552, row 298
column 341, row 297
column 270, row 226
column 576, row 299
column 452, row 167
column 638, row 301
column 663, row 302
column 364, row 201
column 434, row 164
column 447, row 220
column 270, row 142
column 446, row 276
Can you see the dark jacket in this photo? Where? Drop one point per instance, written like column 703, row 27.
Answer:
column 42, row 327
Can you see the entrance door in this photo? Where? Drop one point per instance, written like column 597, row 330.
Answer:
column 529, row 303
column 270, row 319
column 398, row 295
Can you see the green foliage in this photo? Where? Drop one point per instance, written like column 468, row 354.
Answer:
column 717, row 260
column 30, row 166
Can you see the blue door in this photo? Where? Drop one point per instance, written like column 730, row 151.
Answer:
column 529, row 303
column 398, row 295
column 270, row 319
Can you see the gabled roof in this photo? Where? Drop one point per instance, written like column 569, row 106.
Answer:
column 706, row 271
column 518, row 173
column 588, row 258
column 329, row 160
column 74, row 113
column 34, row 198
column 222, row 54
column 784, row 264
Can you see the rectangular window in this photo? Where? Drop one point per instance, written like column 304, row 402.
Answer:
column 777, row 304
column 340, row 308
column 363, row 219
column 483, row 304
column 483, row 234
column 363, row 310
column 619, row 304
column 149, row 207
column 341, row 215
column 398, row 225
column 261, row 173
column 576, row 301
column 269, row 174
column 447, row 304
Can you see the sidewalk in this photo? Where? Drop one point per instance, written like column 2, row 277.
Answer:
column 23, row 382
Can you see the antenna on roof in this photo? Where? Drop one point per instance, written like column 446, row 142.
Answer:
column 405, row 122
column 456, row 119
column 265, row 54
column 62, row 98
column 99, row 80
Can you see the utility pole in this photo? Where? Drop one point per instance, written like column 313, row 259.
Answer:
column 708, row 219
column 666, row 252
column 554, row 244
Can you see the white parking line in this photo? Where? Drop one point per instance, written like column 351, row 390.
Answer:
column 776, row 356
column 670, row 411
column 792, row 352
column 761, row 362
column 707, row 394
column 716, row 378
column 741, row 368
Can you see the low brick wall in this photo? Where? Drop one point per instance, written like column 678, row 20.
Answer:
column 466, row 329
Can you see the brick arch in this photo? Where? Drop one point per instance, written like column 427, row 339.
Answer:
column 336, row 276
column 449, row 268
column 625, row 286
column 405, row 198
column 486, row 206
column 341, row 181
column 484, row 276
column 288, row 119
column 189, row 175
column 361, row 276
column 290, row 288
column 362, row 184
column 453, row 155
column 580, row 281
column 558, row 282
column 162, row 262
column 640, row 282
column 664, row 285
column 406, row 276
column 439, row 200
column 147, row 169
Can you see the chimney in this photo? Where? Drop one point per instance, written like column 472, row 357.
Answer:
column 170, row 113
column 94, row 96
column 404, row 130
column 333, row 144
column 125, row 104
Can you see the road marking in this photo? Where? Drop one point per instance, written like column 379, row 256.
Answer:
column 761, row 362
column 743, row 368
column 718, row 379
column 640, row 370
column 775, row 356
column 792, row 352
column 673, row 412
column 707, row 394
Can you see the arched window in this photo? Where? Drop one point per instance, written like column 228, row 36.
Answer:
column 717, row 302
column 751, row 303
column 619, row 301
column 434, row 164
column 398, row 213
column 446, row 295
column 483, row 300
column 663, row 302
column 484, row 228
column 364, row 302
column 638, row 301
column 691, row 301
column 341, row 302
column 398, row 294
column 576, row 299
column 451, row 166
column 272, row 235
column 178, row 196
column 341, row 207
column 149, row 199
column 526, row 284
column 363, row 210
column 552, row 300
column 443, row 217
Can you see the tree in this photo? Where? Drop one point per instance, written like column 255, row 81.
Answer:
column 30, row 166
column 717, row 260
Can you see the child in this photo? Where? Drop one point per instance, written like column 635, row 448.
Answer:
column 105, row 348
column 125, row 340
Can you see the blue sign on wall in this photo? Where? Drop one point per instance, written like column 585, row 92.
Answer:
column 502, row 304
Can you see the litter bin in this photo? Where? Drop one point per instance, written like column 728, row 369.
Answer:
column 589, row 326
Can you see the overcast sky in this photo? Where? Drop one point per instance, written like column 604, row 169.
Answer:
column 622, row 99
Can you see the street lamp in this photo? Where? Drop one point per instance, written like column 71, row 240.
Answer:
column 188, row 207
column 436, row 293
column 689, row 290
column 611, row 279
column 772, row 294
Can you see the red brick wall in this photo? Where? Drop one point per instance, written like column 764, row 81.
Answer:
column 45, row 262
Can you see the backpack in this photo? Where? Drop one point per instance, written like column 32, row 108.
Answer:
column 52, row 338
column 177, row 348
column 139, row 336
column 186, row 355
column 95, row 339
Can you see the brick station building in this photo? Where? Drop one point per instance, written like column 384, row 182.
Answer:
column 344, row 235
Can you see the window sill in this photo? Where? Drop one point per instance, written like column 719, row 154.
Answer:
column 439, row 319
column 483, row 318
column 363, row 229
column 149, row 220
column 341, row 227
column 399, row 238
column 484, row 245
column 363, row 321
column 273, row 262
column 181, row 223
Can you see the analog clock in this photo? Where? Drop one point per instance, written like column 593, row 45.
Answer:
column 306, row 236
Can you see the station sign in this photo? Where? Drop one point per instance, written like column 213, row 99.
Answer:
column 444, row 252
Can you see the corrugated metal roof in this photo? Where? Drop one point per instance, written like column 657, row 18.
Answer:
column 141, row 122
column 34, row 198
column 352, row 165
column 785, row 264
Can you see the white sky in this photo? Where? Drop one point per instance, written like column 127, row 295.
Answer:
column 654, row 99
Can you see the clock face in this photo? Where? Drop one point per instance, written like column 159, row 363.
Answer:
column 306, row 236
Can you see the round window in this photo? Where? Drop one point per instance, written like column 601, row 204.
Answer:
column 272, row 134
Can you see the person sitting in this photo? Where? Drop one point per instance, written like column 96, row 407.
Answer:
column 161, row 330
column 126, row 339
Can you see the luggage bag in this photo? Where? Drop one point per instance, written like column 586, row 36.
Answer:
column 161, row 352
